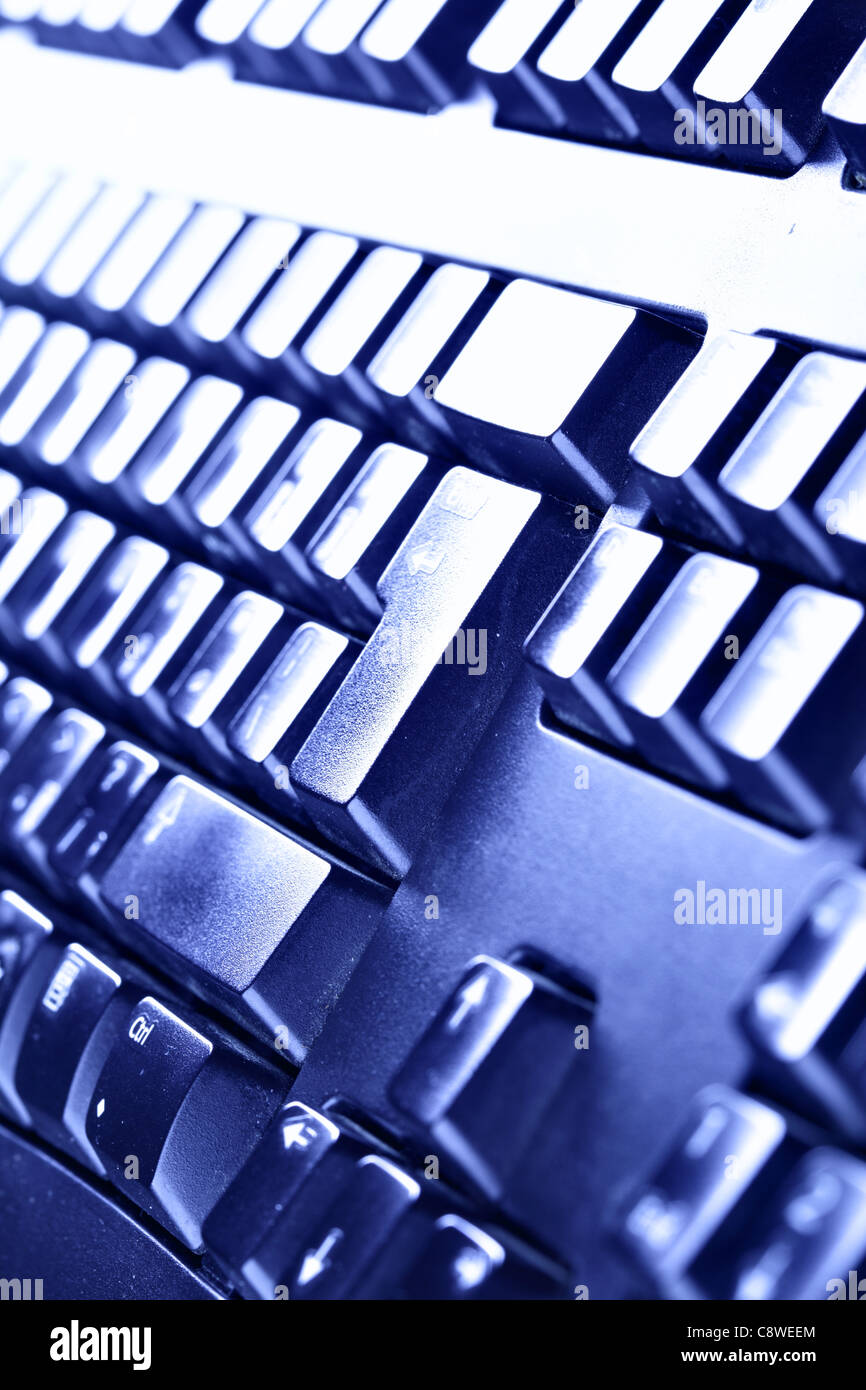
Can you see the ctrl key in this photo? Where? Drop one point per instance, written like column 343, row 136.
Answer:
column 174, row 1115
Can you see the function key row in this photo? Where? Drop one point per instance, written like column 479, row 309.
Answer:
column 319, row 725
column 761, row 450
column 743, row 80
column 711, row 671
column 543, row 386
column 162, row 862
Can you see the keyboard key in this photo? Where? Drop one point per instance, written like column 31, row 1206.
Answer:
column 412, row 361
column 329, row 48
column 619, row 580
column 174, row 1115
column 158, row 31
column 33, row 387
column 812, row 1236
column 22, row 705
column 481, row 1078
column 575, row 67
column 683, row 448
column 193, row 424
column 47, row 1061
column 86, row 822
column 296, row 1142
column 191, row 257
column 845, row 112
column 217, row 315
column 728, row 1142
column 504, row 56
column 347, row 338
column 127, row 422
column 236, row 469
column 414, row 51
column 786, row 719
column 207, row 691
column 169, row 626
column 52, row 580
column 78, row 404
column 297, row 501
column 26, row 258
column 37, row 778
column 98, row 614
column 310, row 280
column 270, row 46
column 805, row 1015
column 279, row 941
column 83, row 250
column 115, row 282
column 332, row 1256
column 273, row 723
column 28, row 520
column 348, row 554
column 771, row 73
column 529, row 393
column 450, row 570
column 654, row 77
column 840, row 512
column 461, row 1261
column 23, row 930
column 772, row 479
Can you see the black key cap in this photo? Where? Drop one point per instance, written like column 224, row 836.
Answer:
column 49, row 1062
column 270, row 727
column 683, row 448
column 530, row 393
column 310, row 280
column 412, row 361
column 786, row 720
column 654, row 76
column 812, row 1237
column 840, row 511
column 727, row 1143
column 98, row 615
column 805, row 1015
column 504, row 55
column 348, row 554
column 414, row 52
column 453, row 569
column 295, row 1143
column 220, row 489
column 278, row 941
column 461, row 1261
column 174, row 1116
column 361, row 319
column 485, row 1071
column 768, row 78
column 22, row 931
column 97, row 815
column 771, row 482
column 333, row 1255
column 36, row 779
column 22, row 705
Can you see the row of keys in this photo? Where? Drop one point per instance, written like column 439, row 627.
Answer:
column 164, row 863
column 317, row 1214
column 196, row 1131
column 713, row 673
column 740, row 1209
column 742, row 79
column 160, row 1102
column 761, row 450
column 806, row 1015
column 314, row 723
column 539, row 385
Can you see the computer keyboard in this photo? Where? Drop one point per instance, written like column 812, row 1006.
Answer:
column 432, row 581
